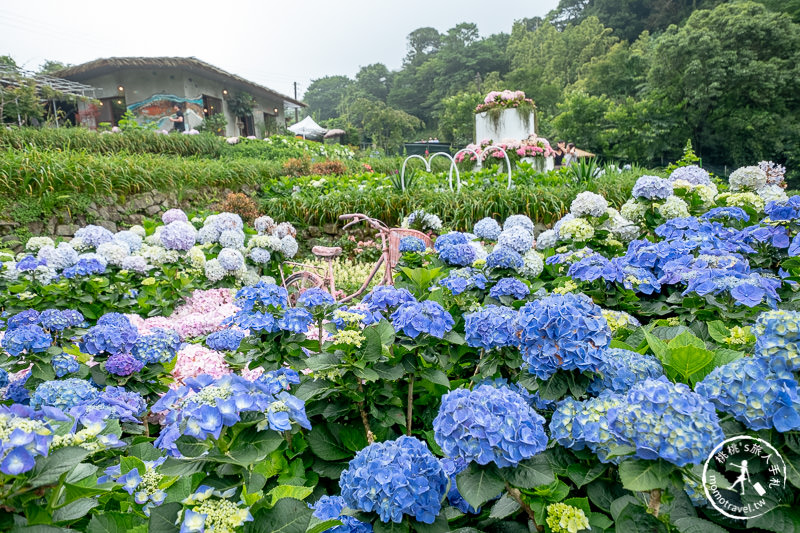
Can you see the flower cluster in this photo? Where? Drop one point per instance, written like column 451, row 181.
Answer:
column 621, row 369
column 503, row 99
column 143, row 486
column 562, row 332
column 747, row 178
column 457, row 254
column 194, row 360
column 503, row 257
column 668, row 421
column 691, row 174
column 488, row 425
column 563, row 518
column 113, row 334
column 24, row 435
column 411, row 245
column 63, row 394
column 395, row 478
column 509, row 287
column 25, row 339
column 160, row 346
column 422, row 221
column 415, row 318
column 490, row 327
column 464, row 279
column 651, row 188
column 584, row 424
column 211, row 510
column 487, row 228
column 330, row 508
column 777, row 336
column 754, row 393
column 204, row 406
column 588, row 204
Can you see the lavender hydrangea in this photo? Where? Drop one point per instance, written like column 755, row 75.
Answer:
column 492, row 326
column 131, row 239
column 395, row 478
column 415, row 318
column 487, row 228
column 178, row 236
column 488, row 425
column 522, row 221
column 93, row 235
column 652, row 188
column 691, row 173
column 230, row 259
column 123, row 364
column 509, row 287
column 173, row 215
column 562, row 332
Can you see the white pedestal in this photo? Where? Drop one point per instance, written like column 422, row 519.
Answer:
column 549, row 163
column 510, row 126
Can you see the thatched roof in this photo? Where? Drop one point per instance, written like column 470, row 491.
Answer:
column 108, row 65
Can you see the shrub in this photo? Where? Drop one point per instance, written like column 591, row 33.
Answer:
column 326, row 168
column 297, row 166
column 242, row 205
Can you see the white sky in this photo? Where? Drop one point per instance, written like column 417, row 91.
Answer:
column 270, row 42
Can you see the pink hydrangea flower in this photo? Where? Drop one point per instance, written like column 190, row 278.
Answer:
column 196, row 359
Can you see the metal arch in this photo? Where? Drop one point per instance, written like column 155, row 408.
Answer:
column 478, row 157
column 403, row 170
column 452, row 166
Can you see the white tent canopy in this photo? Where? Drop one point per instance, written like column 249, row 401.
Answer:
column 308, row 128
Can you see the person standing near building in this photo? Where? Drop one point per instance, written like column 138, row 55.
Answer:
column 570, row 155
column 177, row 120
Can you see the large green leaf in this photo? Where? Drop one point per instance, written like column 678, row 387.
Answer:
column 504, row 507
column 163, row 518
column 75, row 510
column 688, row 361
column 287, row 516
column 697, row 525
column 434, row 375
column 325, row 445
column 639, row 475
column 390, row 527
column 48, row 470
column 718, row 331
column 530, row 473
column 439, row 525
column 289, row 491
column 658, row 346
column 581, row 474
column 479, row 484
column 112, row 522
column 252, row 446
column 635, row 519
column 780, row 520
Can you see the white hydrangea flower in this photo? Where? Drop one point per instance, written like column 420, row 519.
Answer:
column 231, row 239
column 44, row 274
column 576, row 229
column 480, row 252
column 114, row 252
column 78, row 244
column 588, row 203
column 158, row 255
column 519, row 220
column 214, row 271
column 264, row 225
column 742, row 199
column 58, row 258
column 197, row 257
column 533, row 264
column 752, row 178
column 288, row 246
column 9, row 271
column 707, row 193
column 773, row 193
column 633, row 211
column 517, row 238
column 546, row 239
column 674, row 207
column 138, row 230
column 35, row 244
column 208, row 234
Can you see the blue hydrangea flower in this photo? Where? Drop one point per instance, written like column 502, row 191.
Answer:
column 160, row 346
column 652, row 188
column 204, row 406
column 517, row 238
column 589, row 268
column 584, row 424
column 296, row 320
column 315, row 297
column 254, row 320
column 133, row 240
column 28, row 435
column 63, row 394
column 562, row 331
column 16, row 391
column 410, row 244
column 55, row 320
column 117, row 403
column 784, row 211
column 386, row 297
column 230, row 259
column 262, row 296
column 449, row 239
column 123, row 364
column 178, row 235
column 729, row 213
column 27, row 317
column 395, row 478
column 754, row 393
column 85, row 267
column 429, row 317
column 3, row 378
column 225, row 340
column 668, row 421
column 509, row 287
column 522, row 221
column 463, row 279
column 26, row 339
column 621, row 369
column 457, row 254
column 113, row 334
column 330, row 508
column 487, row 228
column 749, row 290
column 94, row 236
column 490, row 327
column 64, row 363
column 503, row 257
column 261, row 256
column 777, row 338
column 489, row 425
column 29, row 263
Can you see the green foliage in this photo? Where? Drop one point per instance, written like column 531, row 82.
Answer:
column 385, row 126
column 215, row 124
column 457, row 118
column 240, row 104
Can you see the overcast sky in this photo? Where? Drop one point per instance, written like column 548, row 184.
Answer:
column 271, row 42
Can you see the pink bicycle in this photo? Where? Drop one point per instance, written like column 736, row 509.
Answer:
column 312, row 276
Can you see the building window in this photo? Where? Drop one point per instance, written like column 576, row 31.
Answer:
column 211, row 105
column 112, row 109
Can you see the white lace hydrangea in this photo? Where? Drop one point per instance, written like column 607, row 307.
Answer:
column 533, row 264
column 138, row 230
column 588, row 204
column 35, row 244
column 674, row 207
column 78, row 244
column 633, row 211
column 546, row 239
column 742, row 199
column 576, row 229
column 747, row 178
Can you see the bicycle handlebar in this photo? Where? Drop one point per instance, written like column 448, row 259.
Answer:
column 359, row 217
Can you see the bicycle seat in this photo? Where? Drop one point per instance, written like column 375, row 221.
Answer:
column 326, row 251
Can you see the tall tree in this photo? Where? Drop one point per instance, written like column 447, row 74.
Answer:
column 421, row 43
column 325, row 95
column 374, row 81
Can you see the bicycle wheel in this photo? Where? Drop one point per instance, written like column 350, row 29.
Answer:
column 299, row 282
